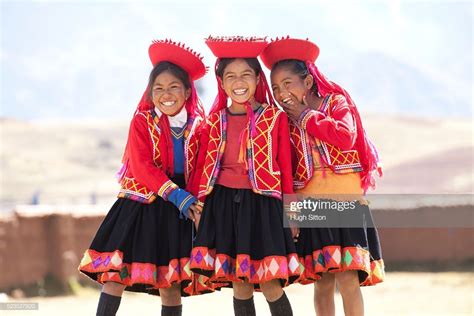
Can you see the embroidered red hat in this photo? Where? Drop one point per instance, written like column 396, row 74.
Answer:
column 289, row 48
column 236, row 46
column 178, row 54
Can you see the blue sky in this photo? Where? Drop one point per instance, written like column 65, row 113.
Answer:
column 88, row 59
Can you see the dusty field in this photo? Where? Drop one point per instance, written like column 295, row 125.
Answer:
column 401, row 294
column 71, row 163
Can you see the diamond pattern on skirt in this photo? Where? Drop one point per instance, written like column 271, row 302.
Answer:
column 329, row 259
column 227, row 269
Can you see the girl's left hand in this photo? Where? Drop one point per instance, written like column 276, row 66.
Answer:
column 196, row 208
column 197, row 219
column 191, row 214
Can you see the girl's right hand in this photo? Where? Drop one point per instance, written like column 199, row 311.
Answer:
column 295, row 230
column 295, row 233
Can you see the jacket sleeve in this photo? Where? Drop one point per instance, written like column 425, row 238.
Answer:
column 338, row 128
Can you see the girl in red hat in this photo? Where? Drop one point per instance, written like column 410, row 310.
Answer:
column 244, row 167
column 335, row 160
column 144, row 242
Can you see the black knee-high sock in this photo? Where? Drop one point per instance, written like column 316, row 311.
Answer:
column 108, row 305
column 281, row 307
column 171, row 310
column 244, row 307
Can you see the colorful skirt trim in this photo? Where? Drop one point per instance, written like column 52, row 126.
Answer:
column 338, row 249
column 145, row 247
column 110, row 267
column 241, row 237
column 335, row 259
column 223, row 268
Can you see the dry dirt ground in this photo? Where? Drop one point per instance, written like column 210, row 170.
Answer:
column 403, row 293
column 75, row 163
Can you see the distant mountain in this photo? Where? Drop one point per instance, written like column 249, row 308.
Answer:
column 378, row 83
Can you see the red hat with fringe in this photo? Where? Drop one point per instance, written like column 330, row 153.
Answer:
column 240, row 47
column 236, row 46
column 178, row 54
column 191, row 62
column 289, row 48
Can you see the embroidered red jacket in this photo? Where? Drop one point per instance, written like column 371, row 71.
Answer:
column 268, row 154
column 145, row 178
column 330, row 133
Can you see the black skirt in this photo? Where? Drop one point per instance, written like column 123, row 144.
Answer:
column 143, row 246
column 334, row 250
column 241, row 238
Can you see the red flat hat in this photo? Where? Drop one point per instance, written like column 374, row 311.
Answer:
column 236, row 46
column 178, row 54
column 289, row 48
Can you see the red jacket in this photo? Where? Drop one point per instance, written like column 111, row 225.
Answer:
column 331, row 132
column 268, row 154
column 145, row 177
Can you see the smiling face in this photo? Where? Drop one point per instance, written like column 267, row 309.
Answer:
column 169, row 93
column 239, row 81
column 288, row 85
